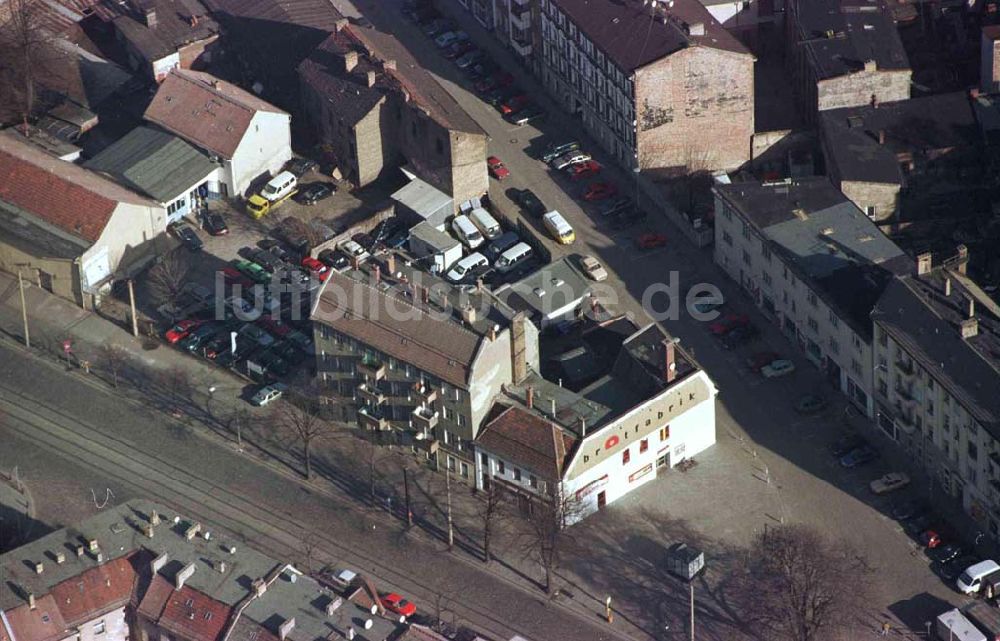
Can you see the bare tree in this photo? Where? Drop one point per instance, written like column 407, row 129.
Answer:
column 697, row 177
column 166, row 279
column 547, row 535
column 26, row 53
column 490, row 510
column 300, row 416
column 796, row 585
column 114, row 359
column 176, row 384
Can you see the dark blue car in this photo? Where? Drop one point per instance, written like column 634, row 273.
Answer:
column 859, row 456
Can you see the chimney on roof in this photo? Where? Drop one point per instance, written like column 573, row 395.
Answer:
column 871, row 66
column 149, row 16
column 60, row 558
column 192, row 531
column 553, row 401
column 370, row 77
column 286, row 628
column 969, row 327
column 970, row 306
column 157, row 564
column 99, row 558
column 492, row 334
column 93, row 545
column 425, row 295
column 669, row 360
column 355, row 263
column 377, row 274
column 341, row 23
column 388, row 65
column 332, row 606
column 390, row 264
column 924, row 263
column 469, row 314
column 583, row 427
column 947, row 287
column 696, row 29
column 962, row 257
column 881, row 136
column 259, row 588
column 31, row 601
column 479, row 285
column 39, row 567
column 194, row 21
column 154, row 518
column 529, row 397
column 350, row 61
column 79, row 551
column 221, row 567
column 183, row 575
column 350, row 633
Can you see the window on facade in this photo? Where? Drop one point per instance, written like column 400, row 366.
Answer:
column 727, row 238
column 484, row 459
column 501, row 468
column 973, row 451
column 465, row 470
column 626, row 456
column 784, row 271
column 813, row 325
column 811, row 297
column 856, row 341
column 834, row 347
column 643, row 445
column 883, row 388
column 664, row 433
column 99, row 627
column 833, row 320
column 765, row 252
column 451, row 464
column 855, row 366
column 727, row 213
column 767, row 278
column 746, row 257
column 746, row 230
column 532, row 481
column 517, row 474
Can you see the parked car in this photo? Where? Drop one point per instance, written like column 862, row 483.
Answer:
column 500, row 95
column 859, row 456
column 951, row 570
column 526, row 115
column 569, row 158
column 180, row 330
column 584, row 169
column 449, row 38
column 281, row 253
column 233, row 277
column 197, row 337
column 256, row 335
column 386, row 228
column 438, row 26
column 267, row 260
column 267, row 394
column 365, row 240
column 469, row 58
column 945, row 553
column 253, row 271
column 600, row 191
column 971, row 578
column 810, row 404
column 188, row 237
column 931, row 539
column 499, row 80
column 514, row 104
column 593, row 268
column 708, row 305
column 300, row 166
column 458, row 50
column 555, row 150
column 728, row 323
column 739, row 336
column 847, row 444
column 529, row 202
column 314, row 192
column 333, row 259
column 352, row 249
column 496, row 168
column 757, row 360
column 919, row 524
column 650, row 241
column 889, row 483
column 398, row 605
column 780, row 367
column 482, row 70
column 214, row 223
column 318, row 269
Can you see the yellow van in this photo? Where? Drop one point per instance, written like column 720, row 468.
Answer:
column 559, row 228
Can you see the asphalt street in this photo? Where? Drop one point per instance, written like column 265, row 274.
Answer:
column 55, row 426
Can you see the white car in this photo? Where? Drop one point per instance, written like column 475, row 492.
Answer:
column 267, row 394
column 780, row 367
column 890, row 482
column 352, row 249
column 593, row 269
column 571, row 158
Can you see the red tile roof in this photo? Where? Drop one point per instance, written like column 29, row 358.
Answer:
column 62, row 194
column 44, row 623
column 527, row 440
column 101, row 589
column 206, row 111
column 187, row 613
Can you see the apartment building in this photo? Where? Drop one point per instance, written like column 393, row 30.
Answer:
column 379, row 109
column 587, row 443
column 662, row 86
column 815, row 265
column 515, row 24
column 141, row 571
column 937, row 372
column 844, row 53
column 407, row 355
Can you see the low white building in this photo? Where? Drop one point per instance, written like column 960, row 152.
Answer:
column 247, row 135
column 654, row 409
column 815, row 265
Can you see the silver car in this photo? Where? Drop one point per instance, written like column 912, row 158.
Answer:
column 570, row 158
column 267, row 394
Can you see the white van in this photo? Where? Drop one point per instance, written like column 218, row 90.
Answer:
column 279, row 186
column 466, row 232
column 513, row 257
column 559, row 228
column 970, row 581
column 486, row 223
column 466, row 266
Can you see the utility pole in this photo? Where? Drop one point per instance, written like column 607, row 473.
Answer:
column 691, row 598
column 447, row 485
column 24, row 309
column 131, row 302
column 406, row 491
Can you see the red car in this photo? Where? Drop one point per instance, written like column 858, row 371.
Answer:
column 275, row 326
column 496, row 167
column 583, row 170
column 397, row 604
column 930, row 539
column 180, row 331
column 496, row 81
column 600, row 191
column 760, row 359
column 234, row 277
column 514, row 105
column 319, row 270
column 650, row 241
column 728, row 324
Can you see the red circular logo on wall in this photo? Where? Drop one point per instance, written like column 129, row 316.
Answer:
column 611, row 442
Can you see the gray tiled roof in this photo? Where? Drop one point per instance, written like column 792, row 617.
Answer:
column 153, row 162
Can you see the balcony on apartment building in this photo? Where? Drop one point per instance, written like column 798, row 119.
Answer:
column 424, row 393
column 371, row 368
column 370, row 394
column 904, row 418
column 520, row 41
column 373, row 418
column 424, row 419
column 520, row 14
column 905, row 367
